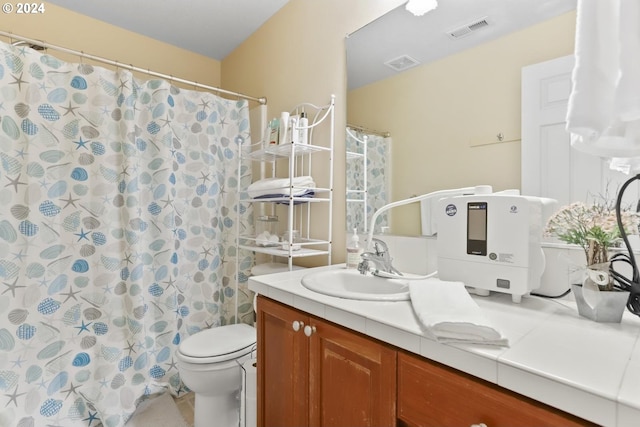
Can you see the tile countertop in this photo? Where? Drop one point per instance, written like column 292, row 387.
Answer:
column 588, row 369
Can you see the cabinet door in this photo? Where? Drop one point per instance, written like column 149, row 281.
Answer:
column 430, row 394
column 352, row 379
column 283, row 386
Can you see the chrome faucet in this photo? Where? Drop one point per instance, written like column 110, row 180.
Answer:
column 380, row 258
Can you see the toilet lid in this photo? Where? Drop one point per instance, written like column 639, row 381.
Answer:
column 222, row 343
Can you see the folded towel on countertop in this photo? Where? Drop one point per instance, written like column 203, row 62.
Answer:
column 449, row 314
column 281, row 187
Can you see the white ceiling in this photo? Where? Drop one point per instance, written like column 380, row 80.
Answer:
column 426, row 38
column 213, row 28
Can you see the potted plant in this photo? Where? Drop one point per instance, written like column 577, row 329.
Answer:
column 595, row 229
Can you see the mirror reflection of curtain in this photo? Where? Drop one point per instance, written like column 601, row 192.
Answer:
column 367, row 179
column 117, row 225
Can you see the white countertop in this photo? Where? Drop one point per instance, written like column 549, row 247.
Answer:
column 586, row 368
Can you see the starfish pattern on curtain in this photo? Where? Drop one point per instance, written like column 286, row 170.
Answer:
column 118, row 207
column 376, row 168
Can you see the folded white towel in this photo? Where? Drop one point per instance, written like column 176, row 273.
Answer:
column 449, row 314
column 281, row 186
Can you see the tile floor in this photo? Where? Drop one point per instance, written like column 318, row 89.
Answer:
column 185, row 405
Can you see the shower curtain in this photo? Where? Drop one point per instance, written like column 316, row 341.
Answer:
column 377, row 171
column 117, row 225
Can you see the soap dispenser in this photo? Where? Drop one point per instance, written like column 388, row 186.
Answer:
column 354, row 250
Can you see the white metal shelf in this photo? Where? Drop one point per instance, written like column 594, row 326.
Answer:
column 248, row 242
column 351, row 155
column 298, row 208
column 284, row 151
column 278, row 251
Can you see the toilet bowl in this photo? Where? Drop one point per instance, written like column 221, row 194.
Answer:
column 209, row 363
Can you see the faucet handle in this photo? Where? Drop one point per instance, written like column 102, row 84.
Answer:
column 380, row 246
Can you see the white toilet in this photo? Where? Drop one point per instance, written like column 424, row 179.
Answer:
column 209, row 364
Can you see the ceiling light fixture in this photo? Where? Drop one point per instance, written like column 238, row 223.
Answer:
column 420, row 7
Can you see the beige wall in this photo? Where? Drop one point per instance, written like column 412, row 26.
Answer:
column 61, row 27
column 299, row 56
column 444, row 116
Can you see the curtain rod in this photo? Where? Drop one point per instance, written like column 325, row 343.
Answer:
column 130, row 67
column 370, row 131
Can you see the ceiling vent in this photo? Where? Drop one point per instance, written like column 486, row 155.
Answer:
column 402, row 63
column 467, row 29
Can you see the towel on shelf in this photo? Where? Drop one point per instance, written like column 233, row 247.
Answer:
column 305, row 194
column 449, row 314
column 281, row 187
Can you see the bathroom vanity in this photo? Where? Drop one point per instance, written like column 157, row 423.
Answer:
column 331, row 361
column 313, row 372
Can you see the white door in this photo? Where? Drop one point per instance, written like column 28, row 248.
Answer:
column 550, row 167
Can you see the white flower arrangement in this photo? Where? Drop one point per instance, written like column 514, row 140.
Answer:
column 593, row 227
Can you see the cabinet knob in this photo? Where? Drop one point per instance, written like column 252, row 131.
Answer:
column 479, row 425
column 309, row 330
column 297, row 325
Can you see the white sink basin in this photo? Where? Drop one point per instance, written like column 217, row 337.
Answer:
column 351, row 284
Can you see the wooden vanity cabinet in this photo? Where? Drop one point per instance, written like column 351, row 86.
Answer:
column 316, row 373
column 283, row 380
column 431, row 394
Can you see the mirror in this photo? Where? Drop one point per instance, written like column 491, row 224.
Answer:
column 446, row 88
column 367, row 183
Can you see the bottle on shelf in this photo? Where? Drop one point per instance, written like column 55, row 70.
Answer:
column 294, row 132
column 303, row 122
column 284, row 127
column 274, row 131
column 354, row 250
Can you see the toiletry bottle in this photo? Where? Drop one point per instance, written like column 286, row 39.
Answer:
column 266, row 136
column 354, row 251
column 274, row 135
column 284, row 127
column 293, row 129
column 303, row 137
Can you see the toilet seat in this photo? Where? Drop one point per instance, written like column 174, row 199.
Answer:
column 218, row 344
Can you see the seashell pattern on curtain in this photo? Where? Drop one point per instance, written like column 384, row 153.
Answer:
column 377, row 170
column 118, row 207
